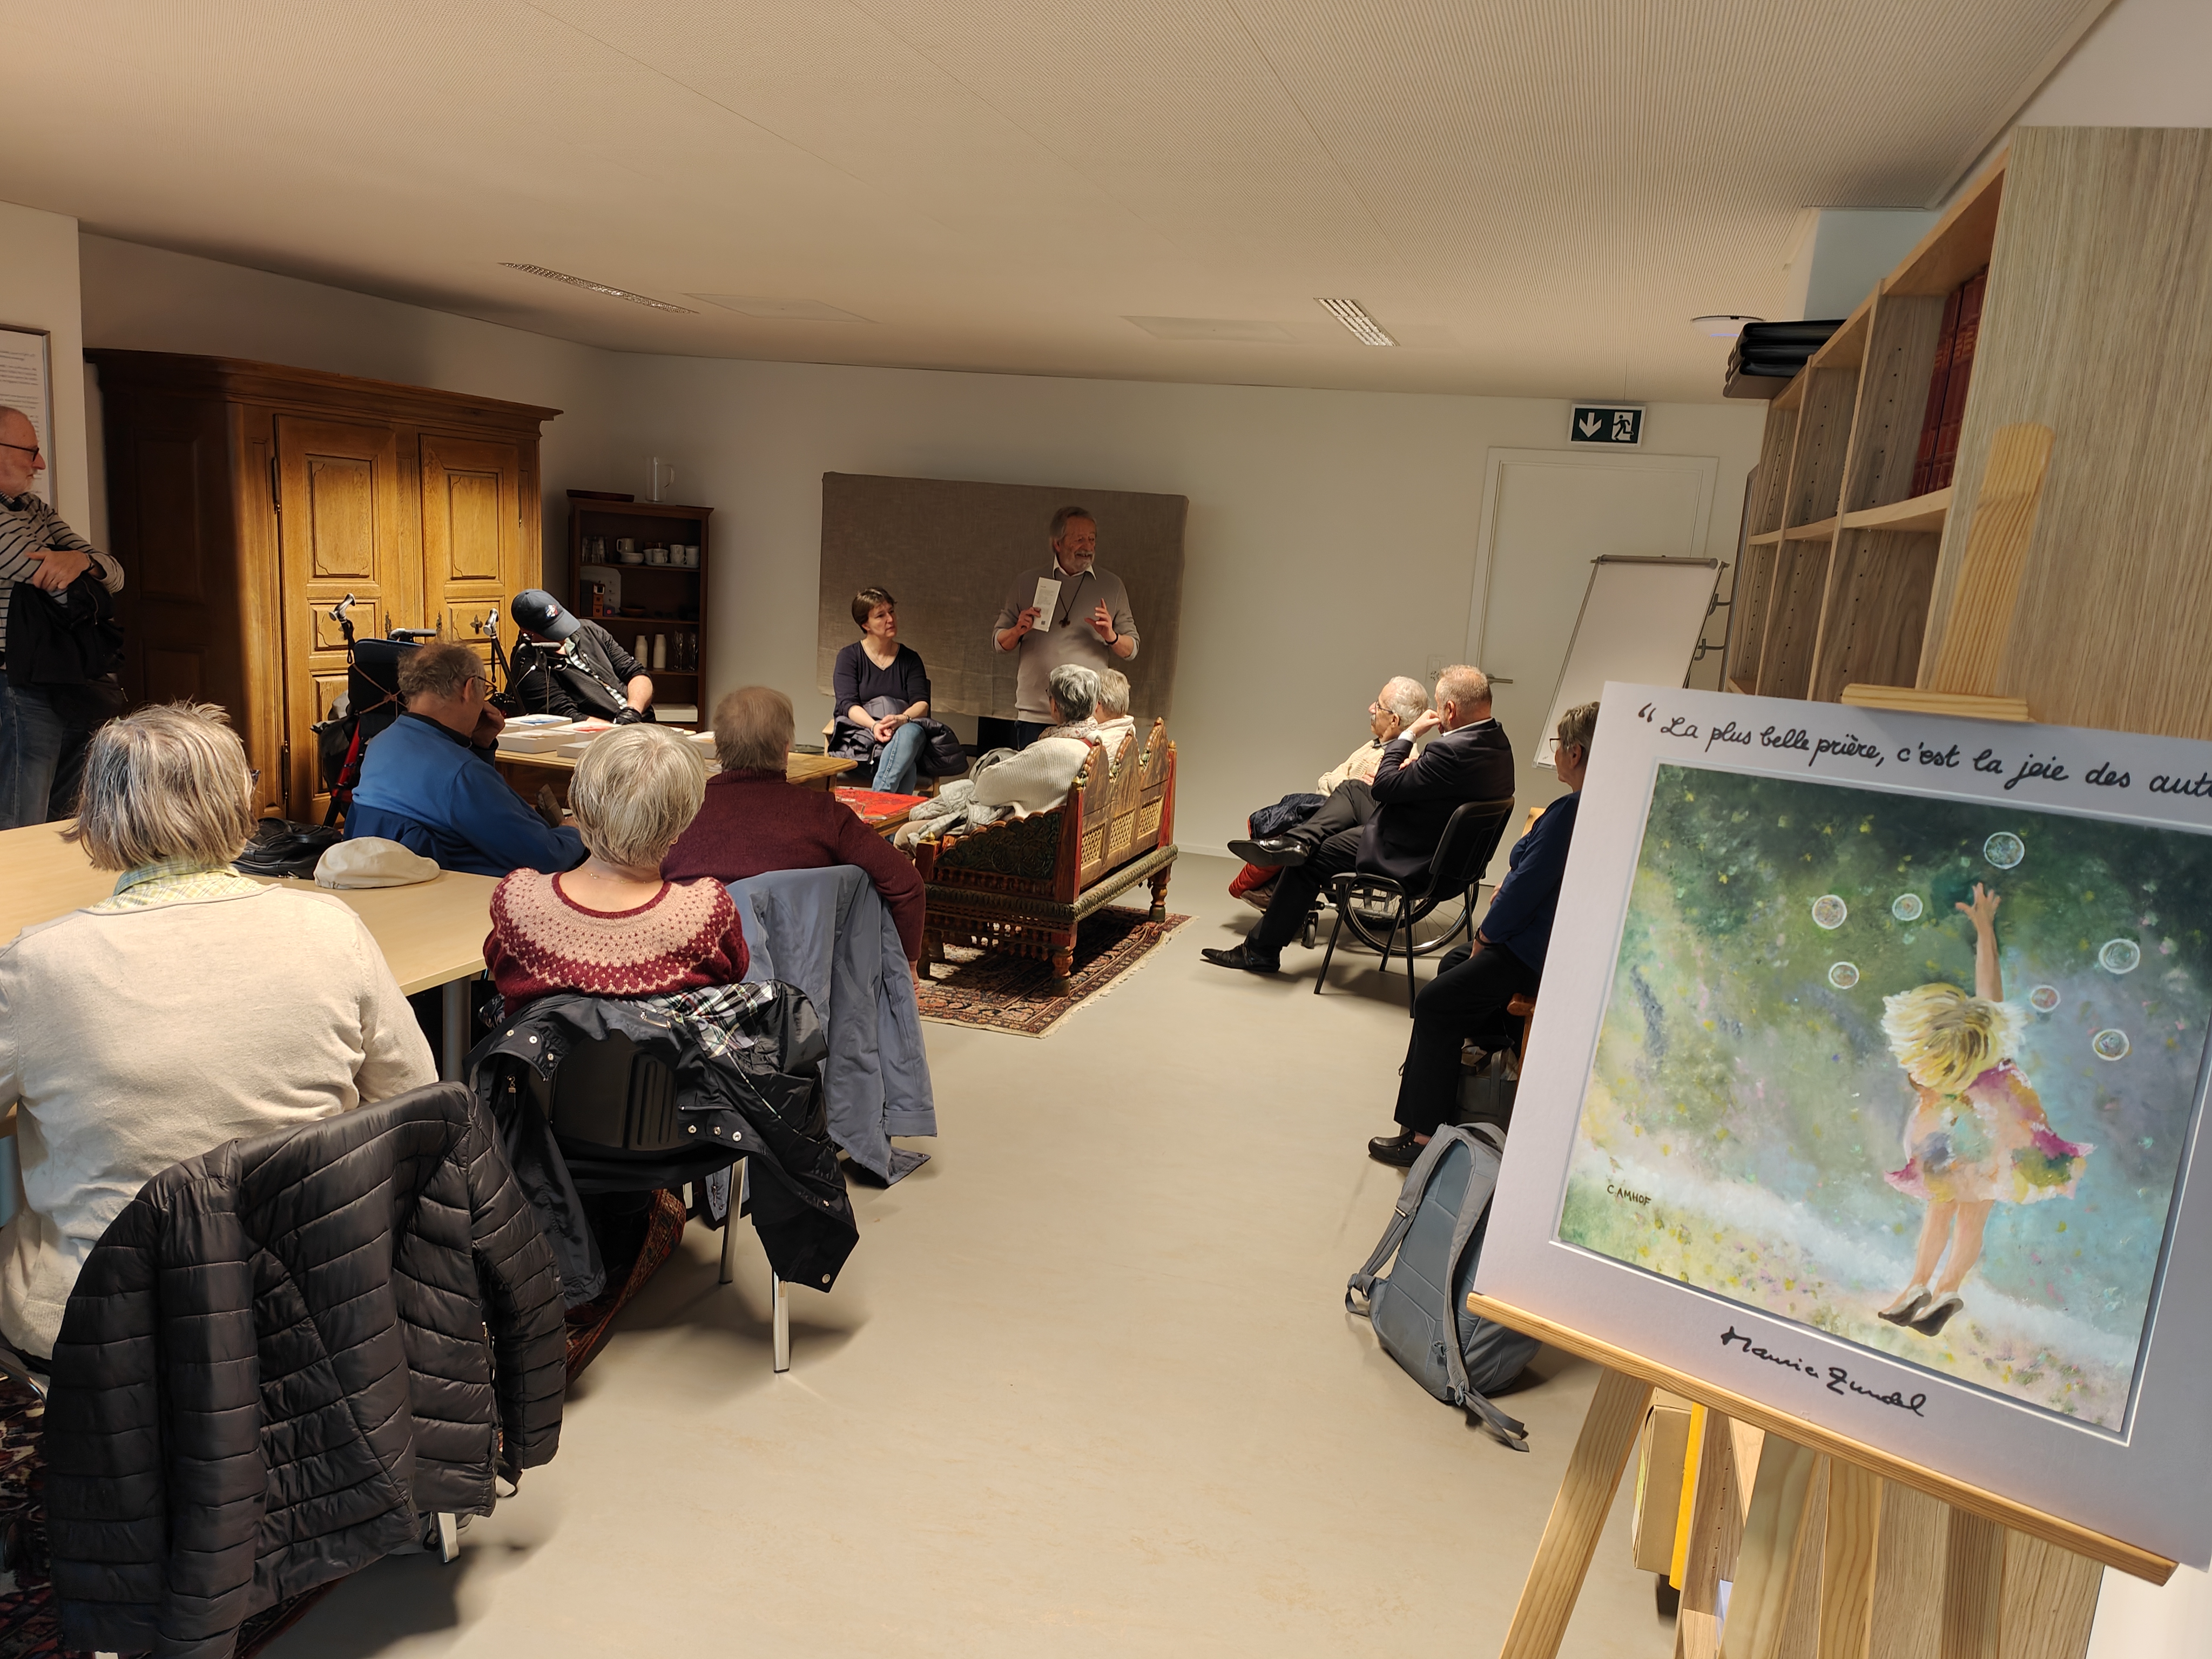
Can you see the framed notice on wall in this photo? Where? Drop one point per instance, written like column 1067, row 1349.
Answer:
column 27, row 383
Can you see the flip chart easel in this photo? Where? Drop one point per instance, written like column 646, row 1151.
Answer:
column 1834, row 1549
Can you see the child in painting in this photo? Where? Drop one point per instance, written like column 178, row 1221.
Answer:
column 1977, row 1136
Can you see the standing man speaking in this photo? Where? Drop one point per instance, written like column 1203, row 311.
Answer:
column 1089, row 623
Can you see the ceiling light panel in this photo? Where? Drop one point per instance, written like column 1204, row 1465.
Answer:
column 600, row 287
column 1353, row 316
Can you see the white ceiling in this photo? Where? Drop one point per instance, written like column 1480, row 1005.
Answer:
column 1532, row 195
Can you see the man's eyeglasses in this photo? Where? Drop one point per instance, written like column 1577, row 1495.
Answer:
column 32, row 450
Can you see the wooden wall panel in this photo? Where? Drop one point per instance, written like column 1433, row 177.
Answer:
column 2099, row 324
column 1876, row 610
column 1892, row 399
column 1824, row 433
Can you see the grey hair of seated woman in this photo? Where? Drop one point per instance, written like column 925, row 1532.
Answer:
column 1075, row 692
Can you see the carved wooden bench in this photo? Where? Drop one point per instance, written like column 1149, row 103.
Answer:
column 1024, row 885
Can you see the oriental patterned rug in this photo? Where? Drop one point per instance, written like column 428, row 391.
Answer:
column 1001, row 992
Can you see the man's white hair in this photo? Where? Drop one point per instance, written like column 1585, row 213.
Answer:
column 1408, row 699
column 1467, row 686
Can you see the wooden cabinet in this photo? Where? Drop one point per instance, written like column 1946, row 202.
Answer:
column 245, row 499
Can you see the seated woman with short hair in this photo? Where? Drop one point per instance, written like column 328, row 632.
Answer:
column 756, row 820
column 190, row 1007
column 613, row 926
column 1037, row 779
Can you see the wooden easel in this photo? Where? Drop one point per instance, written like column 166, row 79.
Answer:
column 1835, row 1550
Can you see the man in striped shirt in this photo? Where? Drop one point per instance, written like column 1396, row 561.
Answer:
column 43, row 730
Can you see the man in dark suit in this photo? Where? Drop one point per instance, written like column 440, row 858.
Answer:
column 1388, row 828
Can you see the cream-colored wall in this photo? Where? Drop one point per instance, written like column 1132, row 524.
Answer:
column 1330, row 544
column 1331, row 539
column 38, row 289
column 148, row 300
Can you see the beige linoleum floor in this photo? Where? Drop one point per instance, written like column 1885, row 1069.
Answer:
column 1087, row 1387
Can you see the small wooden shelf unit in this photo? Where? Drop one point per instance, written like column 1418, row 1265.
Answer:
column 2098, row 324
column 657, row 598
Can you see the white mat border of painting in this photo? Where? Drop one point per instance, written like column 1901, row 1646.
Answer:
column 2150, row 1487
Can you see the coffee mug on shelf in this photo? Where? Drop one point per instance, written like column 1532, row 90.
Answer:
column 656, row 555
column 626, row 550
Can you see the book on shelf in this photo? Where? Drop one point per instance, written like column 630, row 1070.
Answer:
column 1931, row 421
column 1961, row 375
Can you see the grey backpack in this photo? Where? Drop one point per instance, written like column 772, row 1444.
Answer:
column 1420, row 1311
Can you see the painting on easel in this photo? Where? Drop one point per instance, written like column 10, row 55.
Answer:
column 1866, row 1084
column 1915, row 1071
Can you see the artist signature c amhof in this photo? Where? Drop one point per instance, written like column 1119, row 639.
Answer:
column 1835, row 1378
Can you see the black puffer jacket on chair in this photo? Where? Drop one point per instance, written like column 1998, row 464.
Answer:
column 281, row 1357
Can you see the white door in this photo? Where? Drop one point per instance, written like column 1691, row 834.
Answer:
column 1545, row 515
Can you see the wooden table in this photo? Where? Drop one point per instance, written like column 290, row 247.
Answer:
column 527, row 773
column 432, row 933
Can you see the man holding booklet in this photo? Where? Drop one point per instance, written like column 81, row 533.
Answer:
column 1068, row 611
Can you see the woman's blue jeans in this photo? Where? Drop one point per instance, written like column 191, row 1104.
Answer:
column 897, row 760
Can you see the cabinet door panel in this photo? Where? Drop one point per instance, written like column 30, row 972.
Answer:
column 342, row 532
column 472, row 531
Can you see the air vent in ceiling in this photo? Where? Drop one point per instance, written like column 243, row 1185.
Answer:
column 1209, row 328
column 792, row 310
column 1353, row 316
column 599, row 288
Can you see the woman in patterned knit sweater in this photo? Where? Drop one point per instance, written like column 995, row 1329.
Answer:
column 611, row 927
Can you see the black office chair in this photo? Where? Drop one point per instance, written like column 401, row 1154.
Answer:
column 613, row 1114
column 1463, row 852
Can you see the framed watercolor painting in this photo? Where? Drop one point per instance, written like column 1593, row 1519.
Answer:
column 1867, row 1081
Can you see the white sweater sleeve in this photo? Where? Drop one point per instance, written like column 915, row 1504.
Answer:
column 394, row 1057
column 1035, row 780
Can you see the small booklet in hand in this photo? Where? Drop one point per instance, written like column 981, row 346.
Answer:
column 1048, row 595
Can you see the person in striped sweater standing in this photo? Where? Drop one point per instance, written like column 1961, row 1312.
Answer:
column 43, row 732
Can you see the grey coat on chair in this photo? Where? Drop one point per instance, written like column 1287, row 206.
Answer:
column 827, row 933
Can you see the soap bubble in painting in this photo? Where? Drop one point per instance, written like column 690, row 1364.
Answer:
column 1829, row 911
column 1906, row 907
column 2119, row 956
column 1843, row 975
column 2043, row 999
column 2109, row 1044
column 2003, row 850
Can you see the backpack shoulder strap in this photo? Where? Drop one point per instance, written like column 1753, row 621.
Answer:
column 1362, row 1282
column 1482, row 1184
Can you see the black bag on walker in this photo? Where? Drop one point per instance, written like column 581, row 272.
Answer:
column 1419, row 1311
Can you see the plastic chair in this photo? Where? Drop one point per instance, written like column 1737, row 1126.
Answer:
column 1463, row 852
column 613, row 1113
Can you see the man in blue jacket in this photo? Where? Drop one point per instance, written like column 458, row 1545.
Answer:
column 1388, row 828
column 428, row 781
column 1468, row 996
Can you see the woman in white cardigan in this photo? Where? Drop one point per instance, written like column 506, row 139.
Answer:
column 190, row 1007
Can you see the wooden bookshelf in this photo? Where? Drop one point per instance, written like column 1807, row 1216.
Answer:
column 666, row 600
column 2097, row 323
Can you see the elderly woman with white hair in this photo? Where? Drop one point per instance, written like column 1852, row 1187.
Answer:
column 1037, row 779
column 190, row 1007
column 613, row 926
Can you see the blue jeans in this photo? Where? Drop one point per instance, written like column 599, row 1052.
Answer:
column 42, row 739
column 897, row 760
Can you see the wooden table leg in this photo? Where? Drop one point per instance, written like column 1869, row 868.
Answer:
column 1555, row 1579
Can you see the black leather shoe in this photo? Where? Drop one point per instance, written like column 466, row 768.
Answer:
column 1276, row 852
column 1398, row 1151
column 1243, row 957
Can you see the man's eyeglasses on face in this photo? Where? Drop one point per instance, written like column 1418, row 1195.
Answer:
column 32, row 450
